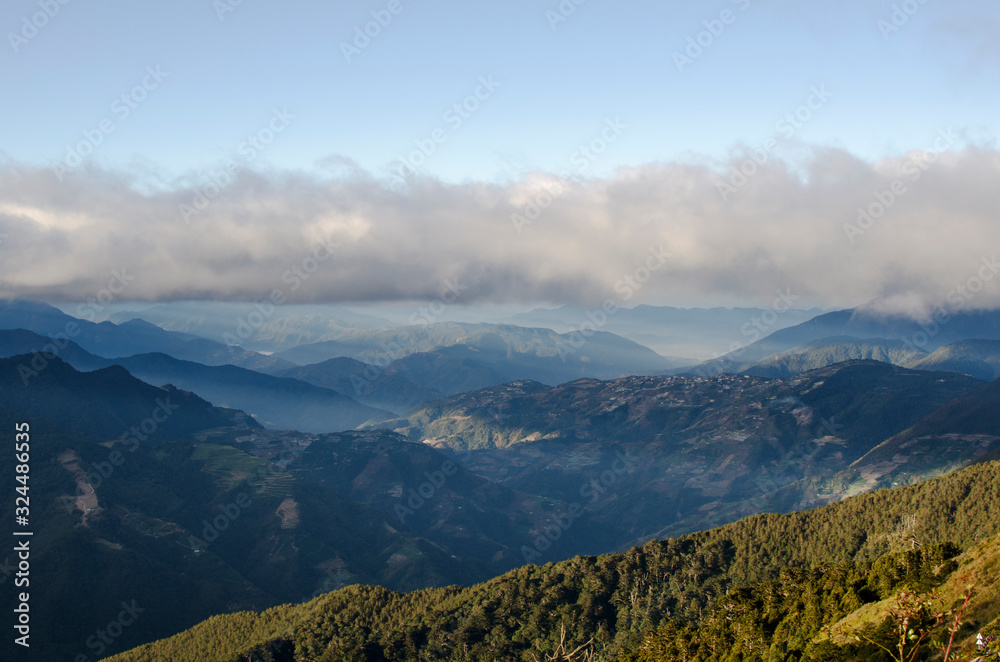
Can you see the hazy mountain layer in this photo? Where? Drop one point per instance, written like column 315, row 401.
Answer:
column 368, row 384
column 674, row 332
column 276, row 402
column 257, row 327
column 133, row 337
column 512, row 352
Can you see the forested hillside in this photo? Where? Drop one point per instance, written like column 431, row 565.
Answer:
column 665, row 593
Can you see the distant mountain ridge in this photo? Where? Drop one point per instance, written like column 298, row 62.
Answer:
column 861, row 323
column 975, row 357
column 365, row 383
column 670, row 331
column 133, row 337
column 282, row 328
column 830, row 351
column 492, row 353
column 277, row 402
column 108, row 403
column 868, row 333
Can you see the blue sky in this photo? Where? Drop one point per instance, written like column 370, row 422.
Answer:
column 557, row 86
column 343, row 124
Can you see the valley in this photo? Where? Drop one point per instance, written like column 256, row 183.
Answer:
column 463, row 462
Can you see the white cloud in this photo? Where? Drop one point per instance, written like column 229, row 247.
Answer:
column 783, row 229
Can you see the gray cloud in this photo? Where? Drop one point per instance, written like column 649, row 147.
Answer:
column 784, row 228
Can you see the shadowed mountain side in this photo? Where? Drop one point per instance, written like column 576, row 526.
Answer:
column 368, row 384
column 429, row 493
column 107, row 403
column 275, row 401
column 178, row 529
column 133, row 337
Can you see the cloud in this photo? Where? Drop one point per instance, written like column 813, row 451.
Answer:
column 785, row 228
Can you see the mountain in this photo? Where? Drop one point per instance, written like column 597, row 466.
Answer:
column 512, row 352
column 128, row 507
column 133, row 337
column 679, row 332
column 380, row 346
column 370, row 385
column 828, row 351
column 426, row 493
column 967, row 427
column 274, row 401
column 760, row 588
column 651, row 454
column 449, row 370
column 962, row 431
column 243, row 518
column 281, row 328
column 977, row 358
column 868, row 322
column 21, row 341
column 108, row 403
column 974, row 357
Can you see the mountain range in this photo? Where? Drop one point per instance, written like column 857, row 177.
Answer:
column 275, row 402
column 446, row 454
column 133, row 337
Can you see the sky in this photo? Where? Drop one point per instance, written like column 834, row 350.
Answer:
column 692, row 154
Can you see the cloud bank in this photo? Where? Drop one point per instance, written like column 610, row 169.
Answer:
column 833, row 229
